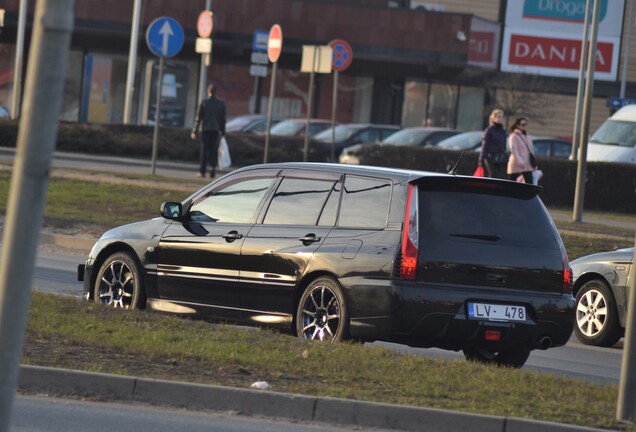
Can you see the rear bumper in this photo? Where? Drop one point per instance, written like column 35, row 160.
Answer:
column 429, row 316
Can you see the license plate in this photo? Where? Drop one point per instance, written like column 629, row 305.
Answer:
column 496, row 312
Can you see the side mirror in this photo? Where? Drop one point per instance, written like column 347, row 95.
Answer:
column 172, row 210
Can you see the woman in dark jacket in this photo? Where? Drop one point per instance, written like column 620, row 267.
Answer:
column 493, row 156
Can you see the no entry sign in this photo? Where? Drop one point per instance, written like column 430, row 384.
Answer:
column 275, row 43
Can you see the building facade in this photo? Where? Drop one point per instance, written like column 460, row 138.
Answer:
column 442, row 63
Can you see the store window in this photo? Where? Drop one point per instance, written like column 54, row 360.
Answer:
column 442, row 105
column 470, row 113
column 415, row 103
column 70, row 109
column 104, row 88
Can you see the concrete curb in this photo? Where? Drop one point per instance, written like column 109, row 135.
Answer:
column 65, row 382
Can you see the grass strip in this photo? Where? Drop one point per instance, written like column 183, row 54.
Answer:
column 68, row 332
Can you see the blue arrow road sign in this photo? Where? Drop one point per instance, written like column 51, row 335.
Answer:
column 616, row 102
column 165, row 37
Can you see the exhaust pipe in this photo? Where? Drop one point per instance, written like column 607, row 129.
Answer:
column 545, row 342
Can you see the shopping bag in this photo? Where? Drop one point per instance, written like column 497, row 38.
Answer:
column 536, row 176
column 223, row 156
column 479, row 172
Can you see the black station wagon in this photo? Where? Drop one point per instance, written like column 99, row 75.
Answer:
column 333, row 252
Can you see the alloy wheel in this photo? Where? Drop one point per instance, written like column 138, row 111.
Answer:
column 321, row 314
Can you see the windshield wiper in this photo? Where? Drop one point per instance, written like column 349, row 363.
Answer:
column 486, row 237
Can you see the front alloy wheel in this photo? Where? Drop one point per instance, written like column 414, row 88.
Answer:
column 322, row 313
column 118, row 283
column 596, row 315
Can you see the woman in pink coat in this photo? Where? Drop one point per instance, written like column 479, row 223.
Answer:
column 520, row 144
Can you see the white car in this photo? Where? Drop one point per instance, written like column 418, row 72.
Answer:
column 615, row 140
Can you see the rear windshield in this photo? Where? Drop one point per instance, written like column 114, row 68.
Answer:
column 485, row 217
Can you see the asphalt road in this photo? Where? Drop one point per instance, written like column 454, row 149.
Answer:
column 57, row 273
column 39, row 414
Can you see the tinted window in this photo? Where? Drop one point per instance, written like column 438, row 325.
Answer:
column 365, row 202
column 562, row 149
column 298, row 202
column 474, row 216
column 330, row 212
column 541, row 148
column 235, row 203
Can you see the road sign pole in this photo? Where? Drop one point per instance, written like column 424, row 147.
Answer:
column 334, row 107
column 132, row 61
column 270, row 105
column 155, row 135
column 579, row 192
column 576, row 133
column 309, row 103
column 205, row 61
column 50, row 41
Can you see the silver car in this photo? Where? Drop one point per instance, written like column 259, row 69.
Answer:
column 600, row 287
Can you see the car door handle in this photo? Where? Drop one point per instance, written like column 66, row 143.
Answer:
column 232, row 235
column 309, row 239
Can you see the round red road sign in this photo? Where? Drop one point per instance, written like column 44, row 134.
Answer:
column 275, row 43
column 342, row 54
column 205, row 24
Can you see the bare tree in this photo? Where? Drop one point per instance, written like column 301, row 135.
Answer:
column 520, row 95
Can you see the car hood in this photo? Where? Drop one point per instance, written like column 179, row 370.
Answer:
column 610, row 153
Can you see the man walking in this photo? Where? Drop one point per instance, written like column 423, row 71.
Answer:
column 211, row 117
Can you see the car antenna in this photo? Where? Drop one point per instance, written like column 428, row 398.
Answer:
column 453, row 170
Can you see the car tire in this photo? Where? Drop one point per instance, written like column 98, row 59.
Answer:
column 596, row 319
column 119, row 283
column 515, row 357
column 322, row 312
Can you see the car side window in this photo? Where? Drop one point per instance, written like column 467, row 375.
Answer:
column 562, row 149
column 368, row 135
column 365, row 203
column 236, row 203
column 541, row 148
column 298, row 201
column 386, row 132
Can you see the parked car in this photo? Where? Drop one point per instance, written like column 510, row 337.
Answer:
column 615, row 139
column 250, row 123
column 464, row 141
column 297, row 127
column 600, row 287
column 544, row 146
column 413, row 136
column 354, row 133
column 331, row 252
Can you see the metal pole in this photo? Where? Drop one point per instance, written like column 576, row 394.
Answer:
column 626, row 406
column 309, row 102
column 17, row 67
column 155, row 135
column 576, row 132
column 52, row 28
column 627, row 41
column 203, row 66
column 579, row 193
column 270, row 105
column 334, row 107
column 132, row 61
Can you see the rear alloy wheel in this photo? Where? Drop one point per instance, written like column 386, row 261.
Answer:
column 118, row 283
column 514, row 357
column 596, row 315
column 322, row 312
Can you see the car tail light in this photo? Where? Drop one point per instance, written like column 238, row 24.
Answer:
column 567, row 273
column 408, row 264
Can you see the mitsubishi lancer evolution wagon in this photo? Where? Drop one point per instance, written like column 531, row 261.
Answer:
column 332, row 252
